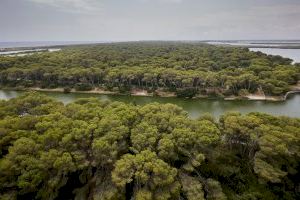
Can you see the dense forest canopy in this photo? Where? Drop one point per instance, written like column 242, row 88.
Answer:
column 92, row 149
column 189, row 69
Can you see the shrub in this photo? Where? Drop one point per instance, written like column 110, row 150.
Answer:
column 83, row 87
column 188, row 92
column 67, row 90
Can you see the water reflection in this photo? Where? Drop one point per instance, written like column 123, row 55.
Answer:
column 195, row 107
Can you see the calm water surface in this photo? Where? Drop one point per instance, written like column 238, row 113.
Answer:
column 287, row 53
column 195, row 107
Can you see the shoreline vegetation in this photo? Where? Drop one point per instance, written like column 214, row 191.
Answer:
column 259, row 96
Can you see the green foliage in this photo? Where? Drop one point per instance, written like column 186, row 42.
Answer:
column 185, row 68
column 152, row 177
column 67, row 90
column 191, row 187
column 215, row 190
column 113, row 151
column 187, row 92
column 83, row 87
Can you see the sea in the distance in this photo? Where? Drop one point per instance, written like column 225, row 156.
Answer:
column 42, row 43
column 294, row 54
column 284, row 48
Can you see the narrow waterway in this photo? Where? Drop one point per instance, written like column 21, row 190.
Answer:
column 195, row 107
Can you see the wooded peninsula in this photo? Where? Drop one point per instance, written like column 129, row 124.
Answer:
column 185, row 69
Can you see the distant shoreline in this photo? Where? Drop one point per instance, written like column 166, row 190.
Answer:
column 279, row 44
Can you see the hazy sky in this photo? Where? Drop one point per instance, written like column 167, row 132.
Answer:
column 111, row 20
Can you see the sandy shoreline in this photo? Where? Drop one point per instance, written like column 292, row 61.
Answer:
column 144, row 93
column 93, row 91
column 254, row 97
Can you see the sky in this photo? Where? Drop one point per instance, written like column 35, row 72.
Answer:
column 127, row 20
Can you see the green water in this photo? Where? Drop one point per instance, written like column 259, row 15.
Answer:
column 195, row 107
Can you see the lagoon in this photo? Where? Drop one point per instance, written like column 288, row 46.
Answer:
column 194, row 107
